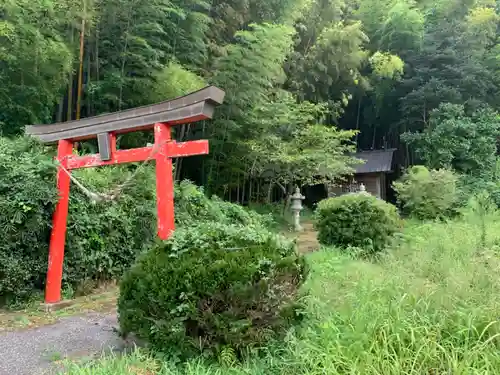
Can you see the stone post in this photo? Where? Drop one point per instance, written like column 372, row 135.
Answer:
column 296, row 207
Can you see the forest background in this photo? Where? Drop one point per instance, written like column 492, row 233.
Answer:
column 301, row 77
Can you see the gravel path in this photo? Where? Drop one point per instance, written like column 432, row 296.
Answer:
column 38, row 351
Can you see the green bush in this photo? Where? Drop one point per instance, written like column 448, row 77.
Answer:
column 212, row 287
column 427, row 195
column 192, row 205
column 237, row 214
column 27, row 197
column 356, row 220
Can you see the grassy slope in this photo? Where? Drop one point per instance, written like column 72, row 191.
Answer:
column 430, row 306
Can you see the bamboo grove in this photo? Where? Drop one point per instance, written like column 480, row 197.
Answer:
column 307, row 80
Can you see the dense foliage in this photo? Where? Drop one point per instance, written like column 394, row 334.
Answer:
column 427, row 194
column 212, row 287
column 356, row 220
column 453, row 139
column 103, row 239
column 27, row 197
column 193, row 206
column 302, row 77
column 470, row 185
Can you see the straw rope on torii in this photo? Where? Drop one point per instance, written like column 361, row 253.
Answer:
column 115, row 193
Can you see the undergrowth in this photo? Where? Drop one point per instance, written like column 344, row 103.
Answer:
column 428, row 306
column 282, row 217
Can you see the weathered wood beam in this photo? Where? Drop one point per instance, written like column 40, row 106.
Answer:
column 193, row 107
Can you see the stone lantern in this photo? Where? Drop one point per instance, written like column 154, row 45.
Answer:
column 296, row 207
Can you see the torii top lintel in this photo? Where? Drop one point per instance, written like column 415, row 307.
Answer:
column 193, row 107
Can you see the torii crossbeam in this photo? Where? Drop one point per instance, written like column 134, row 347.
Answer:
column 160, row 117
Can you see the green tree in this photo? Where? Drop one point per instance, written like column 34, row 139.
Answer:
column 453, row 139
column 250, row 72
column 34, row 61
column 328, row 55
column 293, row 148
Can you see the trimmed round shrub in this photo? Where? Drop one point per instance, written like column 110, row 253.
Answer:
column 212, row 287
column 356, row 220
column 427, row 194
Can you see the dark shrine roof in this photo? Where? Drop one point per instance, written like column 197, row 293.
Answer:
column 375, row 161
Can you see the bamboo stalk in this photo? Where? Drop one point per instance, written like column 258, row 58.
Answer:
column 69, row 113
column 89, row 70
column 238, row 190
column 243, row 191
column 80, row 72
column 250, row 188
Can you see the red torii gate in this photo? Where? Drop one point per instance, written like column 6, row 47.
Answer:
column 160, row 117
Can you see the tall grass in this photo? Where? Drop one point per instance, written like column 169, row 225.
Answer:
column 430, row 305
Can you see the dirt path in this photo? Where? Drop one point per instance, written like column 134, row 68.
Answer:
column 35, row 342
column 42, row 350
column 307, row 239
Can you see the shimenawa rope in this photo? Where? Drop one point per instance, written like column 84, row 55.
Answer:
column 116, row 192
